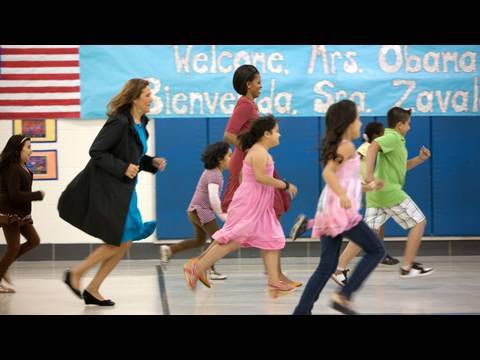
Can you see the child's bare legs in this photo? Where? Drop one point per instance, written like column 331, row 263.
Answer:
column 351, row 250
column 279, row 272
column 279, row 269
column 413, row 243
column 381, row 232
column 202, row 231
column 212, row 245
column 214, row 253
column 272, row 265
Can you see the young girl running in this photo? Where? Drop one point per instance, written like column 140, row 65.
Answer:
column 251, row 220
column 338, row 211
column 205, row 203
column 247, row 82
column 373, row 130
column 16, row 198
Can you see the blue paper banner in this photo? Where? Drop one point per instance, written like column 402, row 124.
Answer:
column 298, row 80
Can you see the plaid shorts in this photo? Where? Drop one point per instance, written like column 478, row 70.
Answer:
column 406, row 214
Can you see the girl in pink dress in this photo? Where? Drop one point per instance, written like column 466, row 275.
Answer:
column 251, row 219
column 338, row 211
column 248, row 83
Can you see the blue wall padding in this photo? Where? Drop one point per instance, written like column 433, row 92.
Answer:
column 444, row 187
column 456, row 174
column 181, row 141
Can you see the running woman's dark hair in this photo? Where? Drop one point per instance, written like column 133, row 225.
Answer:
column 242, row 75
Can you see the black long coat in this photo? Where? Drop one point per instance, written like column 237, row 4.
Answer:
column 98, row 198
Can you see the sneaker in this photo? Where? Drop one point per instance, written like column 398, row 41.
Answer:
column 341, row 279
column 215, row 275
column 424, row 267
column 388, row 260
column 341, row 304
column 299, row 227
column 165, row 254
column 416, row 270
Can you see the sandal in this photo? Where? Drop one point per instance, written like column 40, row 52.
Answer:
column 296, row 283
column 191, row 275
column 6, row 290
column 203, row 277
column 282, row 286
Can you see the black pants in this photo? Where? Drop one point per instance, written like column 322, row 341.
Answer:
column 361, row 235
column 14, row 249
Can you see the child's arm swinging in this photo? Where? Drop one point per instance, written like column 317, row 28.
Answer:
column 372, row 152
column 214, row 199
column 259, row 161
column 417, row 160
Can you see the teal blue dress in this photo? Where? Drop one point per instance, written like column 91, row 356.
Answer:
column 135, row 228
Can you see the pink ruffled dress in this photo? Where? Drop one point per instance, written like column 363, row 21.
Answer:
column 251, row 219
column 331, row 219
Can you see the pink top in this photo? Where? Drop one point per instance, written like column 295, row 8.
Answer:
column 243, row 114
column 200, row 201
column 331, row 219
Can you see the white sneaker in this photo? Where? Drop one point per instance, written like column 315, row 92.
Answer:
column 416, row 270
column 214, row 275
column 165, row 254
column 299, row 227
column 340, row 279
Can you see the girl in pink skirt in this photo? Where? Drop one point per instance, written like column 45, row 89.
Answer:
column 251, row 219
column 338, row 209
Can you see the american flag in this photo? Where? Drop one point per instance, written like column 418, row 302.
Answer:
column 39, row 81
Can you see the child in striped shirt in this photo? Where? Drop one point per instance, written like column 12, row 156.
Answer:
column 205, row 204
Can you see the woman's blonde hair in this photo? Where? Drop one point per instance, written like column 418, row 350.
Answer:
column 123, row 101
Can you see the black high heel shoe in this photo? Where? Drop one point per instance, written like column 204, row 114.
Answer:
column 92, row 300
column 67, row 280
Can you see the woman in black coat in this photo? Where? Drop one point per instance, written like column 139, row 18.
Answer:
column 102, row 200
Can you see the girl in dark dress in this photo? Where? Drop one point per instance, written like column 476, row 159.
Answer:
column 16, row 198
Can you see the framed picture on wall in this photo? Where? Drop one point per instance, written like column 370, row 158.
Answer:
column 43, row 164
column 39, row 130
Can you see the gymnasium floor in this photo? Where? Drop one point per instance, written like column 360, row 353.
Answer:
column 141, row 287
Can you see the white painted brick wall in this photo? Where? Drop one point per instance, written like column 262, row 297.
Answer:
column 74, row 138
